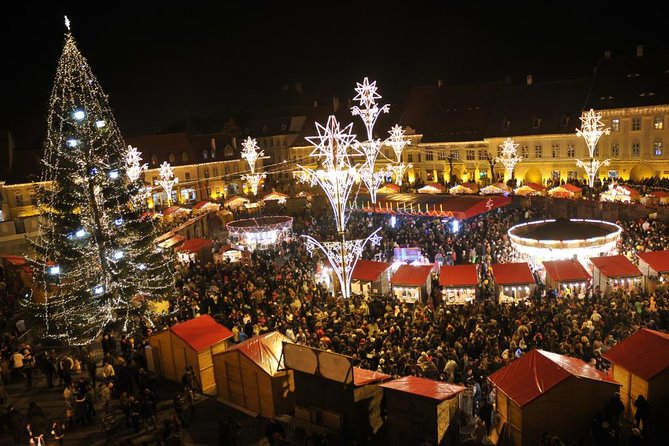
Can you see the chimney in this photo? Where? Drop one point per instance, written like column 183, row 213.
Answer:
column 639, row 50
column 234, row 142
column 529, row 79
column 315, row 103
column 440, row 83
column 212, row 143
column 335, row 104
column 350, row 103
column 607, row 54
column 298, row 87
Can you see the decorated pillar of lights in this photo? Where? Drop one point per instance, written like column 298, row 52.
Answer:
column 336, row 175
column 251, row 155
column 398, row 143
column 591, row 130
column 369, row 112
column 509, row 157
column 167, row 180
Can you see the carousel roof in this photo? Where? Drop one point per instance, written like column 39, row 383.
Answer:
column 564, row 229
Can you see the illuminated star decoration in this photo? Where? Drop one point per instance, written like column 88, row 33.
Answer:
column 592, row 129
column 167, row 180
column 368, row 110
column 397, row 141
column 509, row 156
column 67, row 23
column 133, row 166
column 251, row 153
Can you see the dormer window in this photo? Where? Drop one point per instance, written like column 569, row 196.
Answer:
column 154, row 160
column 227, row 151
column 171, row 158
column 632, row 75
column 184, row 157
column 564, row 121
column 646, row 94
column 506, row 124
column 536, row 122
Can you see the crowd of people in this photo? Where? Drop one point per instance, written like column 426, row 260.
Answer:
column 276, row 289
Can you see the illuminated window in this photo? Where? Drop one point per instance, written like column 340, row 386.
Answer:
column 615, row 125
column 442, row 155
column 483, row 154
column 215, row 171
column 658, row 123
column 538, row 151
column 455, row 154
column 171, row 158
column 154, row 160
column 657, row 148
column 636, row 149
column 471, row 155
column 227, row 151
column 555, row 150
column 429, row 156
column 571, row 151
column 525, row 151
column 615, row 150
column 636, row 124
column 206, row 172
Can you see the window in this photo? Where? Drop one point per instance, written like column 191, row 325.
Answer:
column 613, row 174
column 538, row 151
column 483, row 154
column 283, row 127
column 187, row 176
column 215, row 171
column 171, row 158
column 154, row 160
column 429, row 156
column 636, row 124
column 525, row 151
column 471, row 155
column 636, row 149
column 615, row 150
column 499, row 151
column 19, row 199
column 419, row 157
column 658, row 122
column 184, row 157
column 555, row 150
column 218, row 190
column 536, row 122
column 205, row 154
column 455, row 154
column 657, row 148
column 410, row 157
column 441, row 155
column 206, row 172
column 33, row 199
column 571, row 151
column 615, row 125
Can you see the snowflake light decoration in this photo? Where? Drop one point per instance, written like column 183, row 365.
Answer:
column 397, row 141
column 133, row 166
column 167, row 180
column 251, row 153
column 592, row 129
column 368, row 110
column 509, row 156
column 254, row 180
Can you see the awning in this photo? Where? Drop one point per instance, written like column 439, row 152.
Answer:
column 658, row 260
column 615, row 267
column 458, row 276
column 565, row 271
column 368, row 270
column 427, row 388
column 411, row 275
column 512, row 274
column 195, row 244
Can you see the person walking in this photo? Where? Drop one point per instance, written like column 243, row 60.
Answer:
column 58, row 431
column 642, row 414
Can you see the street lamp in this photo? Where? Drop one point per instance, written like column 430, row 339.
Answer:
column 591, row 130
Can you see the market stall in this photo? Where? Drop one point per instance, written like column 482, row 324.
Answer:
column 620, row 193
column 421, row 410
column 658, row 197
column 640, row 363
column 654, row 264
column 227, row 253
column 530, row 189
column 496, row 189
column 547, row 392
column 195, row 249
column 389, row 188
column 464, row 188
column 277, row 196
column 566, row 190
column 236, row 202
column 190, row 343
column 259, row 233
column 458, row 284
column 251, row 376
column 513, row 281
column 205, row 206
column 612, row 272
column 432, row 188
column 569, row 276
column 412, row 283
column 370, row 277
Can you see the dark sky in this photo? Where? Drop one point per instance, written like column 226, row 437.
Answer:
column 159, row 63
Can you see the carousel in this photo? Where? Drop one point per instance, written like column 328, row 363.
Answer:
column 259, row 233
column 563, row 239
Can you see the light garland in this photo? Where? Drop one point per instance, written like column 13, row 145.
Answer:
column 86, row 263
column 591, row 130
column 509, row 157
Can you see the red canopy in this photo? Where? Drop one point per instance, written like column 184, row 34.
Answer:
column 512, row 274
column 566, row 271
column 174, row 209
column 459, row 207
column 658, row 260
column 615, row 266
column 195, row 244
column 428, row 388
column 458, row 276
column 645, row 353
column 368, row 270
column 535, row 186
column 571, row 188
column 201, row 332
column 14, row 260
column 538, row 371
column 362, row 377
column 265, row 350
column 411, row 275
column 200, row 204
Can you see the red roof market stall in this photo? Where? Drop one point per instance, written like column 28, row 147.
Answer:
column 458, row 207
column 432, row 188
column 543, row 391
column 422, row 410
column 458, row 283
column 566, row 274
column 513, row 281
column 389, row 188
column 251, row 376
column 621, row 193
column 412, row 283
column 190, row 343
column 195, row 248
column 206, row 206
column 530, row 189
column 614, row 271
column 640, row 363
column 370, row 277
column 654, row 263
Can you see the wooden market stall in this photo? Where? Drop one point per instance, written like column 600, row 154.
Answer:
column 464, row 188
column 458, row 283
column 274, row 195
column 190, row 343
column 205, row 206
column 566, row 275
column 236, row 202
column 389, row 188
column 513, row 281
column 566, row 190
column 432, row 188
column 495, row 189
column 614, row 271
column 620, row 193
column 412, row 283
column 250, row 376
column 370, row 277
column 547, row 392
column 530, row 189
column 658, row 197
column 422, row 411
column 654, row 264
column 332, row 394
column 195, row 249
column 640, row 363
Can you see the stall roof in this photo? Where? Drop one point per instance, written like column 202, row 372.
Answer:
column 615, row 266
column 174, row 209
column 265, row 350
column 368, row 270
column 201, row 332
column 645, row 353
column 201, row 204
column 411, row 275
column 450, row 206
column 566, row 271
column 658, row 260
column 362, row 377
column 535, row 373
column 512, row 273
column 14, row 260
column 428, row 388
column 195, row 244
column 458, row 276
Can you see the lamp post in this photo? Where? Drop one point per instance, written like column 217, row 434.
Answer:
column 336, row 175
column 591, row 130
column 509, row 157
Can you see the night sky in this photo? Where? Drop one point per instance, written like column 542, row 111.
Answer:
column 160, row 63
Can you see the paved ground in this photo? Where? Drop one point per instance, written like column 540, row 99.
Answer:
column 202, row 421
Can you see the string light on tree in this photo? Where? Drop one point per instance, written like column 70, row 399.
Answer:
column 167, row 180
column 509, row 157
column 591, row 130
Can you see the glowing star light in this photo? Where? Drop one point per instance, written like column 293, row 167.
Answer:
column 509, row 157
column 167, row 180
column 133, row 166
column 591, row 130
column 397, row 141
column 368, row 110
column 67, row 23
column 251, row 153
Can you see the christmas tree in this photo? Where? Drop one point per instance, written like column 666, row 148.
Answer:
column 95, row 254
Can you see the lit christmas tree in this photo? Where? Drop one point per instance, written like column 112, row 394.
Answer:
column 95, row 254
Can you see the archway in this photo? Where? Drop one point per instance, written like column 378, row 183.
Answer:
column 533, row 175
column 641, row 171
